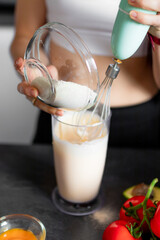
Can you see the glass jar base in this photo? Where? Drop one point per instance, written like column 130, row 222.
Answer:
column 75, row 209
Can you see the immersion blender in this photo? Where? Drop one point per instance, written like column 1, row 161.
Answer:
column 127, row 36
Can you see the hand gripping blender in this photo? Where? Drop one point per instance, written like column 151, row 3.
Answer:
column 127, row 34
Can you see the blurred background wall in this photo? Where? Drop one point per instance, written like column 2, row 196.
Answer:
column 18, row 117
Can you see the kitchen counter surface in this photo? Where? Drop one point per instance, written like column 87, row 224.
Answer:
column 27, row 180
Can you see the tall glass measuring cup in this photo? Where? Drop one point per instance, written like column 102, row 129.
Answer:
column 79, row 157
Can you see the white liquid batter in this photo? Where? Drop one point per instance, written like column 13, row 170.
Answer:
column 79, row 155
column 67, row 95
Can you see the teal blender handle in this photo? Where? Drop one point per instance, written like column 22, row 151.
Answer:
column 127, row 35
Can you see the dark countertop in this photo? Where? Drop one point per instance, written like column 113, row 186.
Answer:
column 27, row 180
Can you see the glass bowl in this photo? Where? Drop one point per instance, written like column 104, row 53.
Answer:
column 61, row 67
column 24, row 222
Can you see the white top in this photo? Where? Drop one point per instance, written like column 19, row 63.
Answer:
column 93, row 20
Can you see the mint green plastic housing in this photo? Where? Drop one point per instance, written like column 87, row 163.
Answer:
column 127, row 35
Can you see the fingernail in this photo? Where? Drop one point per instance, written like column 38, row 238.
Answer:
column 59, row 113
column 18, row 61
column 20, row 89
column 133, row 14
column 33, row 92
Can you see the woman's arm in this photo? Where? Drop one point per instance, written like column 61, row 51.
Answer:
column 152, row 20
column 29, row 16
